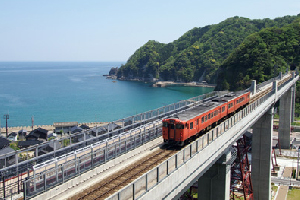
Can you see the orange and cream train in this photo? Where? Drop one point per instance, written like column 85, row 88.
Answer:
column 196, row 120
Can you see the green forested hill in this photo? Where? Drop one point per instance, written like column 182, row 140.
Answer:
column 261, row 56
column 198, row 53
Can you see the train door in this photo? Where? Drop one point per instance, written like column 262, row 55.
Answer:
column 171, row 131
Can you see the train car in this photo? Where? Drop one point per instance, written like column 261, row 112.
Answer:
column 195, row 120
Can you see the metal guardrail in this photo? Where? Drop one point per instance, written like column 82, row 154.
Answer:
column 69, row 166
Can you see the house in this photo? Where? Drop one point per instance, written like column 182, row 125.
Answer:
column 64, row 127
column 84, row 126
column 6, row 161
column 12, row 136
column 113, row 126
column 75, row 129
column 22, row 133
column 4, row 143
column 36, row 134
column 101, row 130
column 4, row 149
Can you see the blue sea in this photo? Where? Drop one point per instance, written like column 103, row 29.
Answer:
column 77, row 91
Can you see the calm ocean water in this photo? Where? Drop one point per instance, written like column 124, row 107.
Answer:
column 67, row 91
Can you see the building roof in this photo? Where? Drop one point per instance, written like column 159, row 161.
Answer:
column 5, row 151
column 64, row 124
column 75, row 129
column 13, row 134
column 4, row 142
column 22, row 131
column 24, row 144
column 38, row 133
column 84, row 126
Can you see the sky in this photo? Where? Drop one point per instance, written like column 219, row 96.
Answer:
column 112, row 30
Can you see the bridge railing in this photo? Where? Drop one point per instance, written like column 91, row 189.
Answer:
column 153, row 177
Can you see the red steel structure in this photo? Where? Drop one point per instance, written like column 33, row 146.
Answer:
column 241, row 184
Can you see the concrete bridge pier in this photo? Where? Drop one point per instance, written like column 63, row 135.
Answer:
column 293, row 103
column 285, row 114
column 215, row 183
column 261, row 156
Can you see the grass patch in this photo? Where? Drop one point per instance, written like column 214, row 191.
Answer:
column 274, row 188
column 293, row 194
column 296, row 123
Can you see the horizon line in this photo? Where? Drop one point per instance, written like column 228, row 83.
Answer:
column 59, row 61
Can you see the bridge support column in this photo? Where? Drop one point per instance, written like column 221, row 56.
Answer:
column 285, row 120
column 215, row 183
column 261, row 156
column 293, row 103
column 253, row 87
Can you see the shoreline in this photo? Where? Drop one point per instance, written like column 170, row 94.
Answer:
column 47, row 127
column 190, row 84
column 167, row 83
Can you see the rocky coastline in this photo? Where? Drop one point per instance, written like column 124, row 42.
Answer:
column 113, row 74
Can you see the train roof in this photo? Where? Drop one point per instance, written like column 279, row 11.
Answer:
column 197, row 110
column 228, row 97
column 206, row 106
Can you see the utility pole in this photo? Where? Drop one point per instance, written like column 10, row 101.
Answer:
column 6, row 117
column 32, row 122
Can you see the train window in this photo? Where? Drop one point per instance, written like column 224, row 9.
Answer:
column 165, row 124
column 223, row 108
column 208, row 115
column 229, row 105
column 212, row 115
column 202, row 120
column 191, row 125
column 206, row 118
column 179, row 126
column 171, row 126
column 197, row 121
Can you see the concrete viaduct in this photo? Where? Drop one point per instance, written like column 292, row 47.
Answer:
column 207, row 160
column 210, row 166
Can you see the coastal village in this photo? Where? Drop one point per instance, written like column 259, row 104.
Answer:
column 21, row 138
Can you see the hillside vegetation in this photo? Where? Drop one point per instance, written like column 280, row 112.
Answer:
column 261, row 56
column 199, row 53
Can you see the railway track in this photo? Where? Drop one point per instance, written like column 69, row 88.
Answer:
column 118, row 180
column 266, row 91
